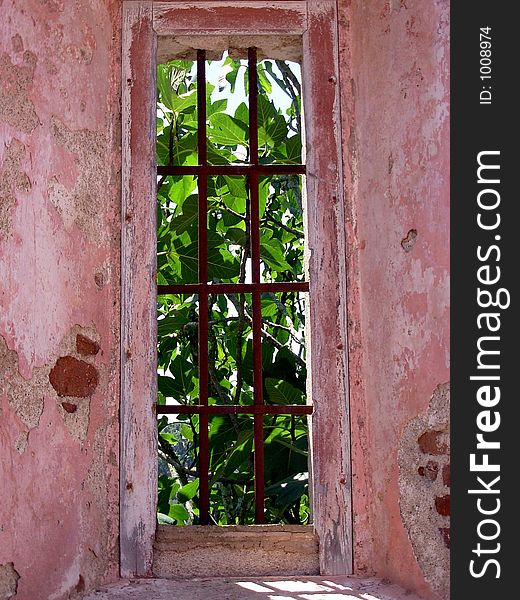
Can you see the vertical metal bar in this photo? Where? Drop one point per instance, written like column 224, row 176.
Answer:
column 203, row 295
column 253, row 158
column 258, row 400
column 255, row 272
column 253, row 106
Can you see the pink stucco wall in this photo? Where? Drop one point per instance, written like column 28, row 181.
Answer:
column 395, row 85
column 59, row 279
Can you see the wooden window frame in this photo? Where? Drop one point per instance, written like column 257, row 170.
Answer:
column 316, row 22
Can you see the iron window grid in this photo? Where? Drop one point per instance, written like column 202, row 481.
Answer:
column 203, row 289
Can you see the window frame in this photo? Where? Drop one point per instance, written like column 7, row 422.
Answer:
column 316, row 22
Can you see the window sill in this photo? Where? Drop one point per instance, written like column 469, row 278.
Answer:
column 231, row 551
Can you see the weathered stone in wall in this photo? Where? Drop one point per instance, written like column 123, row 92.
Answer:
column 75, row 379
column 424, row 489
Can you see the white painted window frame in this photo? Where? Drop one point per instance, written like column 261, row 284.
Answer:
column 316, row 22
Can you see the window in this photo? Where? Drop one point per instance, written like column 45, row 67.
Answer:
column 280, row 25
column 247, row 165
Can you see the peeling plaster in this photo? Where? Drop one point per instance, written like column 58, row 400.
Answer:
column 84, row 203
column 26, row 397
column 424, row 489
column 73, row 385
column 11, row 178
column 16, row 81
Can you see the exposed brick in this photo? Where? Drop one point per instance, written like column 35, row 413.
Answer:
column 445, row 533
column 73, row 377
column 442, row 505
column 86, row 346
column 430, row 471
column 69, row 407
column 433, row 442
column 446, row 475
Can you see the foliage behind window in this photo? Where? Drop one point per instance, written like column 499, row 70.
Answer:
column 229, row 316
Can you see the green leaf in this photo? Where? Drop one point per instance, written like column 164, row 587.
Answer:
column 231, row 76
column 188, row 491
column 168, row 80
column 184, row 102
column 271, row 252
column 226, row 130
column 179, row 513
column 235, row 203
column 236, row 186
column 221, row 263
column 242, row 115
column 282, row 392
column 170, row 438
column 172, row 323
column 264, row 82
column 294, row 149
column 169, row 387
column 266, row 111
column 189, row 215
column 217, row 106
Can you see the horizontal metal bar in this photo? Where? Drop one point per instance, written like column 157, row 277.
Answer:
column 231, row 169
column 234, row 409
column 232, row 288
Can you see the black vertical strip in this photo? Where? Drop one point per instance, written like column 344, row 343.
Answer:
column 484, row 121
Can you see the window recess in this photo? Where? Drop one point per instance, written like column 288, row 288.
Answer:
column 148, row 30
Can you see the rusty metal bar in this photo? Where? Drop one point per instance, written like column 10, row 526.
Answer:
column 255, row 275
column 203, row 298
column 234, row 409
column 232, row 288
column 272, row 169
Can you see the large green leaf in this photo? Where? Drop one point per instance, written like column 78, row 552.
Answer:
column 282, row 392
column 179, row 513
column 272, row 253
column 188, row 491
column 226, row 130
column 184, row 102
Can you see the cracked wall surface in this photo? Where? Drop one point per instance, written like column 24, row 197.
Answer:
column 59, row 296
